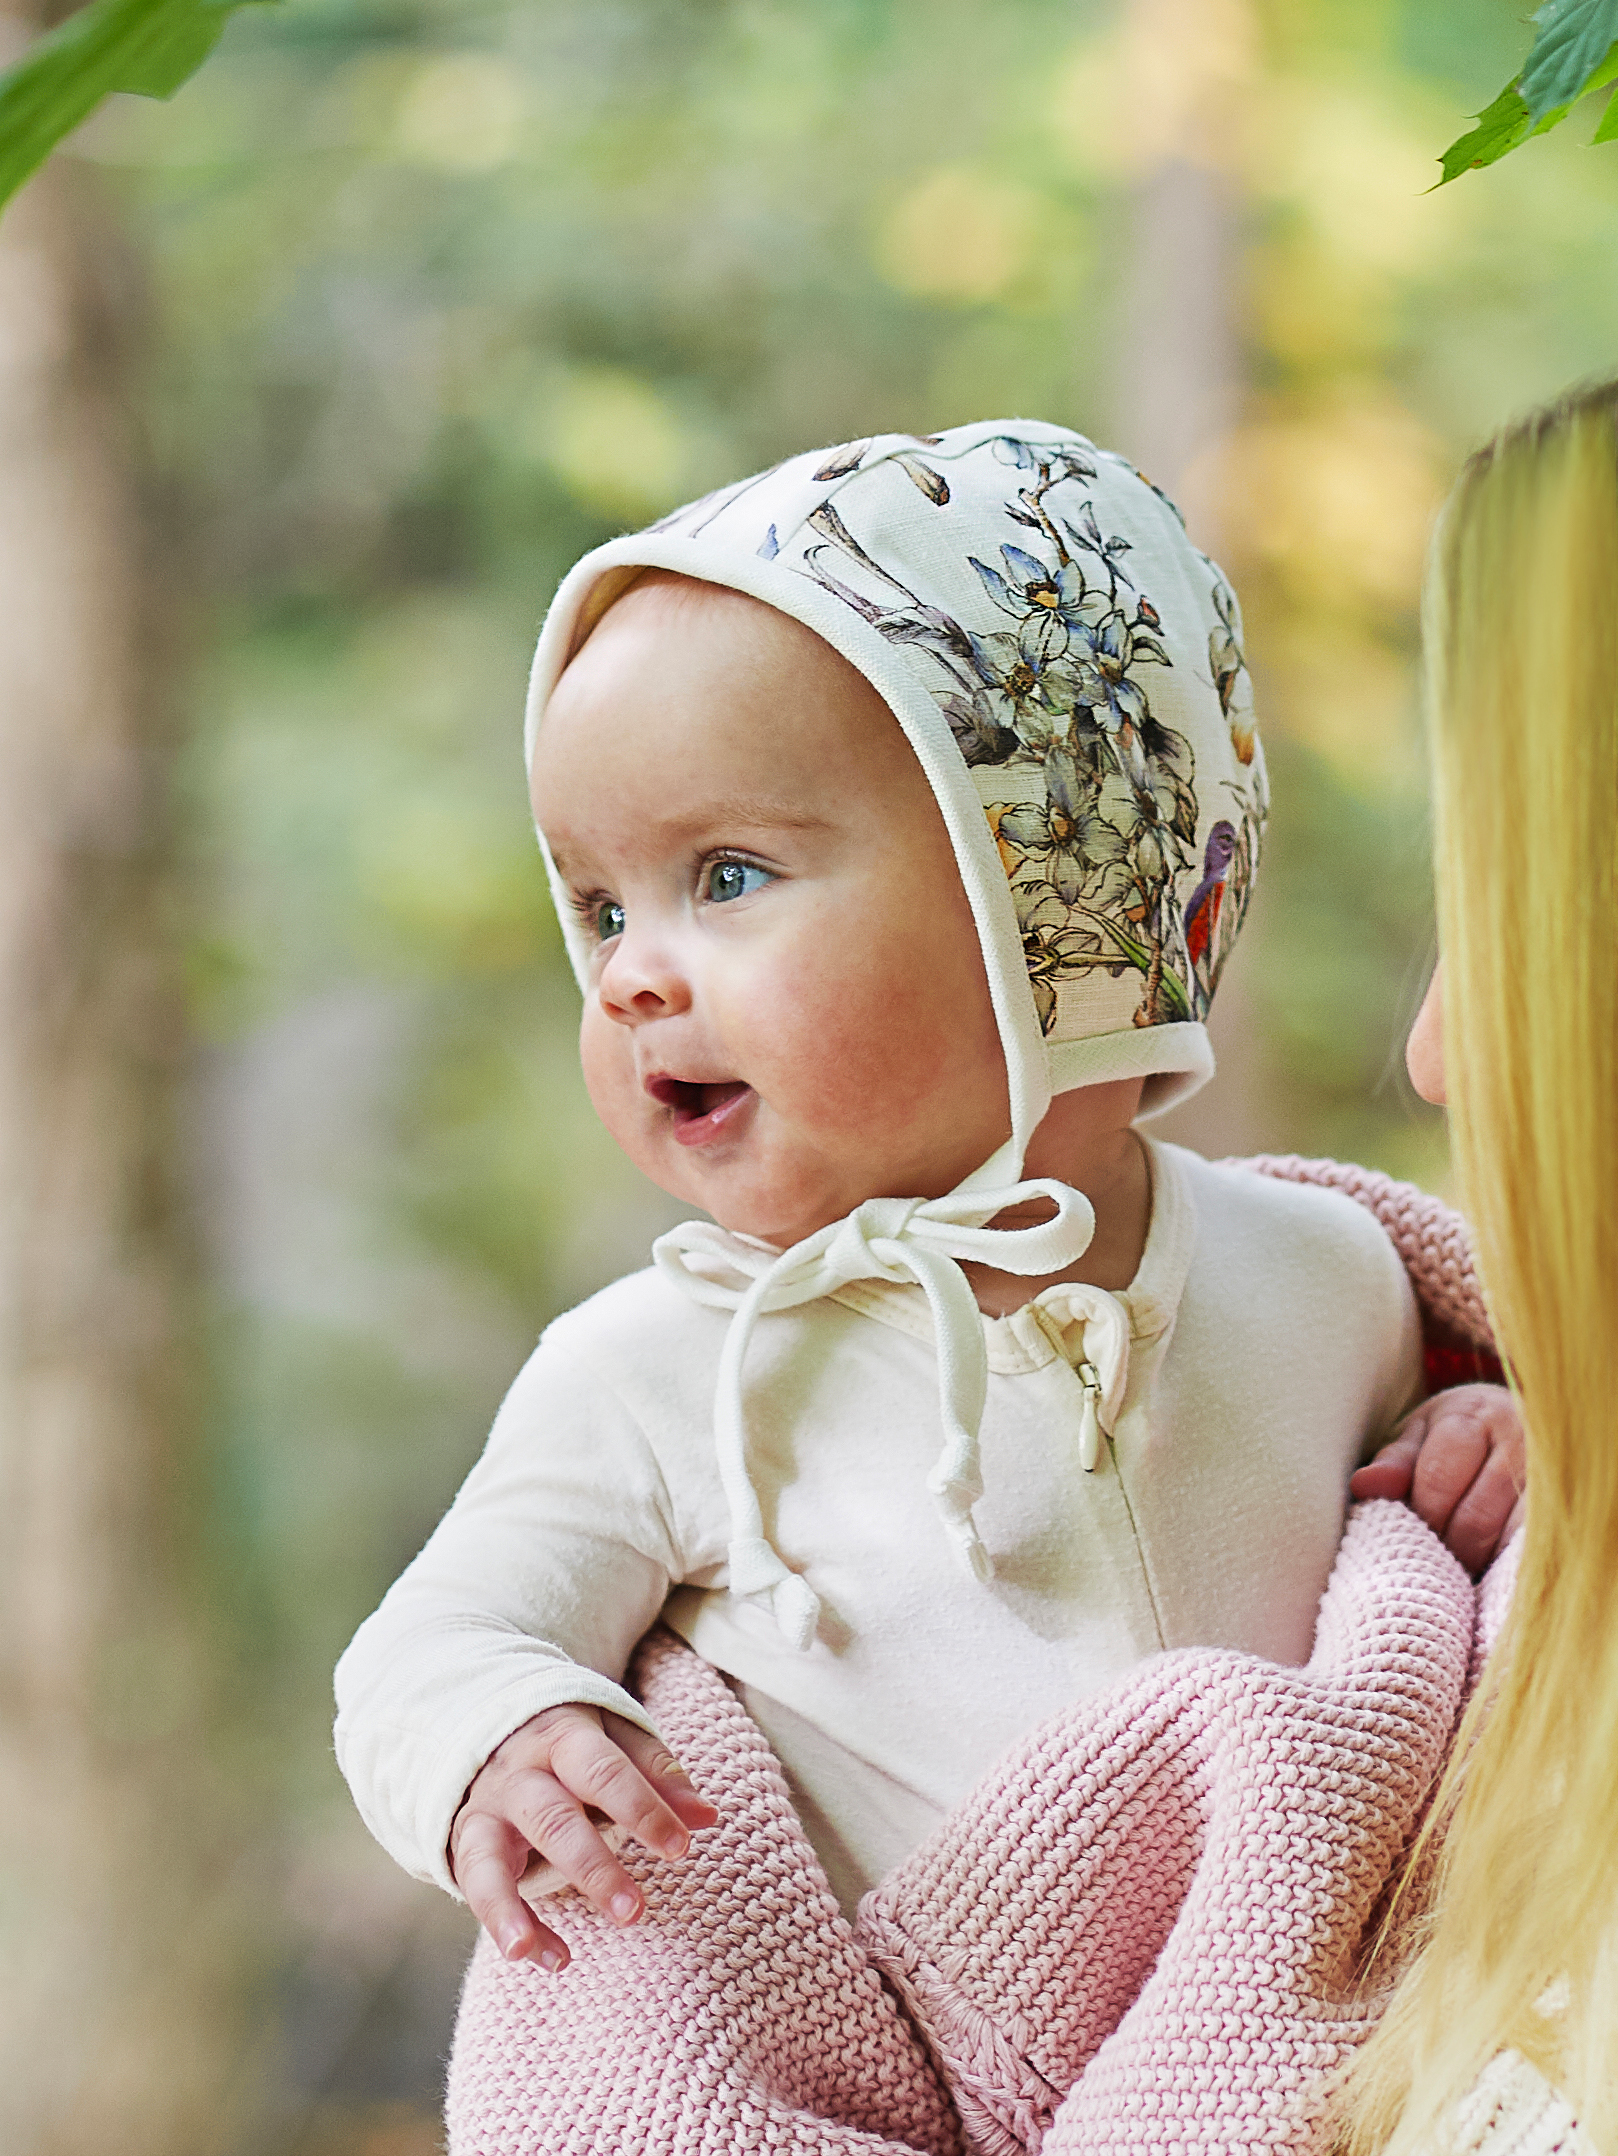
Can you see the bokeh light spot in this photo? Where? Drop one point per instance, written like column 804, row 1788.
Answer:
column 613, row 440
column 959, row 235
column 462, row 114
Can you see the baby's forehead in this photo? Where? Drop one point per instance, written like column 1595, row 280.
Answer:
column 696, row 693
column 660, row 603
column 662, row 623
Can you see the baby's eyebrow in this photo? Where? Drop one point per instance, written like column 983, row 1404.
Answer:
column 751, row 810
column 705, row 825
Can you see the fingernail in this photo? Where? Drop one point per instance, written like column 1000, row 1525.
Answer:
column 509, row 1940
column 674, row 1843
column 552, row 1959
column 624, row 1907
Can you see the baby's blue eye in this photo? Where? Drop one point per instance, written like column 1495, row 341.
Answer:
column 735, row 879
column 609, row 920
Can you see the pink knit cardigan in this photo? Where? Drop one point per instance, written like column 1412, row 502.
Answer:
column 1140, row 1932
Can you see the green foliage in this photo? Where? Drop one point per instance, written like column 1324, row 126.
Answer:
column 1575, row 51
column 147, row 48
column 1501, row 126
column 1575, row 41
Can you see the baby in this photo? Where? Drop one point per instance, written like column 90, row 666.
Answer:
column 902, row 806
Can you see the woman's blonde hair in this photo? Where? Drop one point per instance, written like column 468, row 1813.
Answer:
column 1521, row 1946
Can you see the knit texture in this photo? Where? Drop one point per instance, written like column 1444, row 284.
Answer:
column 1145, row 1928
column 1513, row 2111
column 1140, row 1931
column 739, row 2013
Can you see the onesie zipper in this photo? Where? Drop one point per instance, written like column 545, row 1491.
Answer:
column 1089, row 1416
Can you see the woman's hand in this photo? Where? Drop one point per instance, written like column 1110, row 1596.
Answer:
column 1459, row 1463
column 547, row 1790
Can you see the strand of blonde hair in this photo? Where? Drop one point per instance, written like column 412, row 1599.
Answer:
column 1521, row 1938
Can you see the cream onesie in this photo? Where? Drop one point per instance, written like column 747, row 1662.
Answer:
column 747, row 1442
column 1271, row 1338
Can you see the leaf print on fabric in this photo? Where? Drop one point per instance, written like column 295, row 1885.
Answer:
column 933, row 484
column 1229, row 666
column 842, row 461
column 1045, row 457
column 849, row 456
column 979, row 735
column 694, row 517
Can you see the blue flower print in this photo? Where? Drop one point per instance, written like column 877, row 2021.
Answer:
column 1049, row 605
column 1094, row 860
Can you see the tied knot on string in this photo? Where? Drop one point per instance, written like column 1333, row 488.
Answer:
column 856, row 1252
column 921, row 1240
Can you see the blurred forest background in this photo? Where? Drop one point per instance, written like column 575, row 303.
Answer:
column 311, row 385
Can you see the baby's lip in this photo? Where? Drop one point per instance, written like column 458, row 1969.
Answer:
column 703, row 1109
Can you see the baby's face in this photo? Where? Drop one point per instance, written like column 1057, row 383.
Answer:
column 787, row 1011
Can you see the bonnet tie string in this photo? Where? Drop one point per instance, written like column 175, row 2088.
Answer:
column 920, row 1240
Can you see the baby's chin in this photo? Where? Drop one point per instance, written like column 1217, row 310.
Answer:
column 756, row 1176
column 782, row 1217
column 780, row 1209
column 764, row 1217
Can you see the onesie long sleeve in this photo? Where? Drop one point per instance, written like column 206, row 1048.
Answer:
column 1273, row 1342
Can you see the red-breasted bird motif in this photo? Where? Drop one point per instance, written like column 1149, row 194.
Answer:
column 1202, row 907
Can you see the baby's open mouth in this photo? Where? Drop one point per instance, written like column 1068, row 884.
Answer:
column 701, row 1110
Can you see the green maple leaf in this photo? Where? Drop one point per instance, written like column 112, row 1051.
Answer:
column 148, row 47
column 1575, row 51
column 1573, row 45
column 1501, row 126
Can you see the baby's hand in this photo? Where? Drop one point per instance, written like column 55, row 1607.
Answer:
column 1458, row 1461
column 546, row 1789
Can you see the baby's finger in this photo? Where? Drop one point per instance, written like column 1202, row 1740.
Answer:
column 597, row 1770
column 553, row 1819
column 1451, row 1460
column 1389, row 1473
column 662, row 1771
column 1485, row 1514
column 487, row 1859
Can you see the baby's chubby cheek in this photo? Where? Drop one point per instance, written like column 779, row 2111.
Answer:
column 607, row 1059
column 832, row 1039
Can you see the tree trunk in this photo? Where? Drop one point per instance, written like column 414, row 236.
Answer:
column 108, row 2010
column 1178, row 389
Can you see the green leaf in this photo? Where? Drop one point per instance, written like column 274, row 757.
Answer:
column 1573, row 47
column 1557, row 54
column 1608, row 130
column 1139, row 955
column 1501, row 126
column 148, row 47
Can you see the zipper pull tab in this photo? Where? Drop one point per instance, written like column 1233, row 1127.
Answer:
column 1089, row 1417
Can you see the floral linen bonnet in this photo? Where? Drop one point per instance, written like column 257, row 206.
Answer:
column 1068, row 669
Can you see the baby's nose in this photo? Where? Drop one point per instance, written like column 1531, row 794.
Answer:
column 641, row 979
